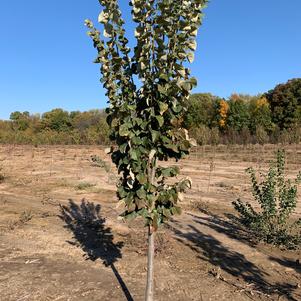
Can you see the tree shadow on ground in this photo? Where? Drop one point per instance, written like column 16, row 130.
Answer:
column 228, row 225
column 288, row 263
column 93, row 237
column 232, row 262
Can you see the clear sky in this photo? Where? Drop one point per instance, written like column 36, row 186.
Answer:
column 46, row 57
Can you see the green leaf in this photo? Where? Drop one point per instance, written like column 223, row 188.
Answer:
column 134, row 154
column 131, row 107
column 123, row 130
column 143, row 212
column 170, row 171
column 138, row 121
column 155, row 135
column 166, row 212
column 162, row 90
column 131, row 206
column 121, row 192
column 173, row 147
column 163, row 107
column 193, row 81
column 123, row 147
column 160, row 120
column 186, row 85
column 136, row 141
column 178, row 108
column 141, row 193
column 176, row 210
column 129, row 215
column 142, row 178
column 150, row 199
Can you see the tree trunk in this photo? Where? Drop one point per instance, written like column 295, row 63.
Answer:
column 149, row 293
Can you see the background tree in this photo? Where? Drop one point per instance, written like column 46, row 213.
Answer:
column 260, row 114
column 285, row 102
column 201, row 110
column 223, row 109
column 20, row 121
column 238, row 115
column 146, row 120
column 57, row 119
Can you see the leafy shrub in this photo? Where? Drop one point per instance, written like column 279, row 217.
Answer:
column 277, row 198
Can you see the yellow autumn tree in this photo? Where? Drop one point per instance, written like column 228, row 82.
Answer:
column 261, row 103
column 223, row 113
column 260, row 115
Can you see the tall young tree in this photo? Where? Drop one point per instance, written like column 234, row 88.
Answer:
column 147, row 88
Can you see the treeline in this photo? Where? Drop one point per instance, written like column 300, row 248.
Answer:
column 55, row 127
column 273, row 117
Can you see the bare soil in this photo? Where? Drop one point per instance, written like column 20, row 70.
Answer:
column 61, row 239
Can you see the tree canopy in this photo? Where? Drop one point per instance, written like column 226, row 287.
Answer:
column 285, row 102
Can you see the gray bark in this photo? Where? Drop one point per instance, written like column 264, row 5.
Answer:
column 149, row 293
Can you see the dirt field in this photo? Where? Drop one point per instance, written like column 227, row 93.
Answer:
column 60, row 238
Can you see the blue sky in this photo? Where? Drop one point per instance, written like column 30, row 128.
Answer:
column 46, row 57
